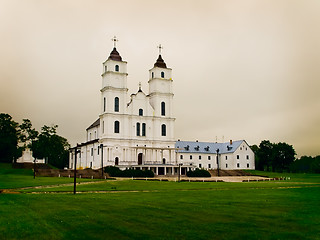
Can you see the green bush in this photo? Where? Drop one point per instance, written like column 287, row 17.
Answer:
column 116, row 172
column 198, row 173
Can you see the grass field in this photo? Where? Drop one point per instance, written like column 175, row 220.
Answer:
column 164, row 210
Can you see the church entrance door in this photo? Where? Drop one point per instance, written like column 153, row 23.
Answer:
column 140, row 158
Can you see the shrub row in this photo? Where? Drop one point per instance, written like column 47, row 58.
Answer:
column 116, row 172
column 198, row 173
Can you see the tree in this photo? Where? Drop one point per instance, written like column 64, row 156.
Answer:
column 27, row 134
column 8, row 138
column 283, row 156
column 265, row 154
column 52, row 146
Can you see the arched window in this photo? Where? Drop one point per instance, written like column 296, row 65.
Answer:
column 104, row 104
column 163, row 109
column 138, row 129
column 163, row 130
column 116, row 68
column 116, row 127
column 140, row 112
column 143, row 129
column 116, row 161
column 162, row 74
column 116, row 104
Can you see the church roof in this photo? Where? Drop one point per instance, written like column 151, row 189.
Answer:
column 114, row 55
column 160, row 63
column 207, row 147
column 95, row 124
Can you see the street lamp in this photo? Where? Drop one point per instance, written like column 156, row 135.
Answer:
column 218, row 161
column 101, row 149
column 75, row 169
column 180, row 164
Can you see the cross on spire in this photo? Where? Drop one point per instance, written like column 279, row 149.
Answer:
column 114, row 40
column 160, row 48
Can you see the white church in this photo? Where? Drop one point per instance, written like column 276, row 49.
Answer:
column 137, row 131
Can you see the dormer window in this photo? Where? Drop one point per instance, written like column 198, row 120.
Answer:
column 186, row 148
column 206, row 148
column 197, row 148
column 116, row 68
column 162, row 74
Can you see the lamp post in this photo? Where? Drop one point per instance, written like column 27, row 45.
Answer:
column 76, row 151
column 180, row 164
column 34, row 167
column 101, row 149
column 218, row 161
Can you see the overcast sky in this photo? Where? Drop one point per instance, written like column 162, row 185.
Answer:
column 242, row 69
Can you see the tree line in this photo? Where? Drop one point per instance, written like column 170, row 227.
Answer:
column 280, row 157
column 15, row 138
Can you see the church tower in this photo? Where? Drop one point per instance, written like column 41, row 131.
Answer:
column 161, row 98
column 113, row 94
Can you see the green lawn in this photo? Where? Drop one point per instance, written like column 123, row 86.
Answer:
column 18, row 178
column 167, row 210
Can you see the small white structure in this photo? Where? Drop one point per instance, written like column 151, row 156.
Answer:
column 138, row 131
column 28, row 158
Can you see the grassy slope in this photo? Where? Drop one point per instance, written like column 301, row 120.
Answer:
column 255, row 210
column 202, row 214
column 16, row 178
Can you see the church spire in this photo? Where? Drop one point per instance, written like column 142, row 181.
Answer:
column 160, row 62
column 114, row 55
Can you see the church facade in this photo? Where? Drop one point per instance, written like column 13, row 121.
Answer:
column 137, row 131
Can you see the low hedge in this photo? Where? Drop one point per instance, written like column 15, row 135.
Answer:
column 116, row 172
column 198, row 173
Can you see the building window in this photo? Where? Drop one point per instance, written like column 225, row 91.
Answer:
column 116, row 127
column 95, row 134
column 140, row 112
column 105, row 68
column 190, row 156
column 163, row 130
column 226, row 157
column 181, row 156
column 143, row 129
column 162, row 74
column 238, row 157
column 209, row 165
column 138, row 129
column 164, row 161
column 116, row 104
column 200, row 165
column 117, row 68
column 238, row 165
column 91, row 151
column 116, row 161
column 247, row 156
column 163, row 109
column 241, row 148
column 104, row 104
column 247, row 165
column 199, row 157
column 226, row 165
column 102, row 126
column 152, row 75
